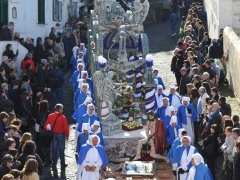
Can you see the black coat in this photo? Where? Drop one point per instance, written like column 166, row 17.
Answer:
column 215, row 51
column 216, row 119
column 5, row 34
column 6, row 104
column 226, row 109
column 22, row 158
column 236, row 166
column 68, row 45
column 7, row 69
column 183, row 84
column 25, row 109
column 4, row 170
column 209, row 140
column 52, row 36
column 39, row 52
column 9, row 54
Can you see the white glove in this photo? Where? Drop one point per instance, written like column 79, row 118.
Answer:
column 185, row 168
column 49, row 127
column 174, row 166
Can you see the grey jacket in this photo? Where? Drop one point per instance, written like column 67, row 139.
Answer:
column 227, row 147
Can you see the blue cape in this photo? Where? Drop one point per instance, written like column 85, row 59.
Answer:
column 82, row 139
column 79, row 98
column 177, row 155
column 81, row 110
column 156, row 105
column 85, row 148
column 170, row 133
column 74, row 79
column 160, row 82
column 73, row 61
column 85, row 119
column 181, row 114
column 170, row 99
column 202, row 173
column 161, row 114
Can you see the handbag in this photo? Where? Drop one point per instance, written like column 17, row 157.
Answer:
column 49, row 134
column 180, row 31
column 209, row 149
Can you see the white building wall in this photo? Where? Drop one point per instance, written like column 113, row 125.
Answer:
column 222, row 13
column 26, row 22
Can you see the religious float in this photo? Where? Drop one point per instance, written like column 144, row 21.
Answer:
column 124, row 85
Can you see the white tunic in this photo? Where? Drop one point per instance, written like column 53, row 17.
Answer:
column 189, row 126
column 92, row 159
column 175, row 102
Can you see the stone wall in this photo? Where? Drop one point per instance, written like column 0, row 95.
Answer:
column 232, row 53
column 155, row 13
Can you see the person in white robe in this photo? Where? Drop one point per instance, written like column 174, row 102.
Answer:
column 174, row 99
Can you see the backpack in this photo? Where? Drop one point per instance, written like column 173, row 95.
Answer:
column 53, row 81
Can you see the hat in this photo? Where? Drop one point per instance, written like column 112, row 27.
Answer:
column 173, row 119
column 88, row 99
column 186, row 99
column 85, row 126
column 188, row 137
column 102, row 61
column 197, row 158
column 149, row 60
column 159, row 87
column 96, row 123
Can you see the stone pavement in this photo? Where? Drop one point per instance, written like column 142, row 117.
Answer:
column 161, row 45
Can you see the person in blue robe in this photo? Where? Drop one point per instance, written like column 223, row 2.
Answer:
column 159, row 95
column 96, row 129
column 84, row 75
column 83, row 136
column 88, row 159
column 186, row 116
column 158, row 78
column 172, row 130
column 89, row 117
column 76, row 76
column 79, row 89
column 199, row 170
column 174, row 99
column 181, row 161
column 165, row 112
column 177, row 142
column 74, row 58
column 77, row 115
column 83, row 93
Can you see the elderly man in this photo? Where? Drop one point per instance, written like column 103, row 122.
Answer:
column 90, row 160
column 205, row 78
column 165, row 112
column 215, row 117
column 159, row 96
column 186, row 116
column 182, row 157
column 5, row 66
column 184, row 81
column 174, row 99
column 29, row 44
column 199, row 170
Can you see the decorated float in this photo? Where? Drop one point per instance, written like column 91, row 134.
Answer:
column 124, row 85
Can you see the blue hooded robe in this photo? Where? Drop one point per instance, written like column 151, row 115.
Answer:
column 161, row 113
column 74, row 79
column 81, row 110
column 181, row 114
column 87, row 119
column 202, row 172
column 160, row 82
column 178, row 155
column 101, row 138
column 79, row 99
column 82, row 139
column 170, row 133
column 73, row 62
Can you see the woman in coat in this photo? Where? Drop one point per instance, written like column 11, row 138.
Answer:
column 211, row 156
column 30, row 171
column 9, row 52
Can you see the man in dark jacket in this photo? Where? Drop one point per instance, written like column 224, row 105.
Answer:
column 6, row 33
column 52, row 35
column 7, row 163
column 57, row 92
column 225, row 107
column 5, row 103
column 215, row 50
column 5, row 66
column 184, row 81
column 214, row 118
column 201, row 30
column 68, row 45
column 236, row 121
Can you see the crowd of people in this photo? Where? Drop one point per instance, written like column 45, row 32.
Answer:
column 31, row 118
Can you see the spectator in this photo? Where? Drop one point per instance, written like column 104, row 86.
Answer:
column 14, row 94
column 15, row 173
column 201, row 30
column 16, row 36
column 40, row 50
column 30, row 171
column 215, row 93
column 199, row 55
column 25, row 137
column 28, row 59
column 225, row 107
column 61, row 131
column 9, row 144
column 52, row 34
column 197, row 81
column 68, row 45
column 9, row 52
column 167, row 7
column 201, row 101
column 59, row 47
column 184, row 81
column 12, row 76
column 6, row 33
column 57, row 91
column 7, row 177
column 14, row 153
column 29, row 45
column 207, row 87
column 194, row 96
column 205, row 78
column 3, row 120
column 205, row 44
column 29, row 148
column 235, row 120
column 215, row 117
column 216, row 68
column 215, row 50
column 190, row 86
column 5, row 104
column 236, row 162
column 211, row 72
column 26, row 84
column 5, row 66
column 173, row 20
column 41, row 73
column 211, row 156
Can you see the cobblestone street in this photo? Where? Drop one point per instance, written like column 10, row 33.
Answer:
column 161, row 45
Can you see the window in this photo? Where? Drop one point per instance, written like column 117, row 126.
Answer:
column 14, row 12
column 4, row 11
column 57, row 10
column 41, row 11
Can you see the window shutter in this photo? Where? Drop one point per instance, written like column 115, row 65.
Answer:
column 59, row 11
